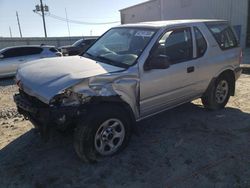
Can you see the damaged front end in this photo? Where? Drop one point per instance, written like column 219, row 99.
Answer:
column 73, row 103
column 46, row 116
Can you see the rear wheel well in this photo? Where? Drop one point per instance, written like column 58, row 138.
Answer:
column 231, row 77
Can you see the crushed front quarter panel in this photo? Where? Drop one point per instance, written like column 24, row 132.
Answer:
column 123, row 84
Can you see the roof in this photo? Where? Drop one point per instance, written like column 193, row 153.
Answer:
column 40, row 46
column 164, row 23
column 146, row 2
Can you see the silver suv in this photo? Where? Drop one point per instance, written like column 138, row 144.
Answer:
column 130, row 73
column 12, row 57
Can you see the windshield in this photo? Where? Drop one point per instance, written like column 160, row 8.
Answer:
column 120, row 46
column 77, row 43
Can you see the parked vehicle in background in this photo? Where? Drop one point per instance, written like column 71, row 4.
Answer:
column 78, row 47
column 12, row 57
column 132, row 72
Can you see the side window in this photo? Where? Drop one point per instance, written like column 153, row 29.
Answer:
column 31, row 50
column 22, row 51
column 13, row 52
column 201, row 43
column 83, row 43
column 223, row 34
column 87, row 42
column 177, row 45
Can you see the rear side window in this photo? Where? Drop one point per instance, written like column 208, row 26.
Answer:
column 31, row 50
column 223, row 34
column 90, row 41
column 14, row 52
column 53, row 50
column 201, row 43
column 22, row 51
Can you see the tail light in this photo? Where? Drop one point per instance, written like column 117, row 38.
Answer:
column 58, row 54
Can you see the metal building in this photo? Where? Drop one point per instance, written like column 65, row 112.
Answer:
column 235, row 11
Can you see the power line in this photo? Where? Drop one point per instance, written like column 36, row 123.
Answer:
column 67, row 21
column 78, row 22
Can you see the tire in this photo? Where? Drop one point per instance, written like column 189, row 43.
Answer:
column 106, row 126
column 218, row 94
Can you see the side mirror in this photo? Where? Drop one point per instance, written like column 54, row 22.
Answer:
column 1, row 56
column 157, row 62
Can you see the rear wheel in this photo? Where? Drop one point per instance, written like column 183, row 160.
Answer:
column 218, row 95
column 104, row 134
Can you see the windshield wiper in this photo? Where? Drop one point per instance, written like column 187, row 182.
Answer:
column 88, row 54
column 110, row 61
column 105, row 60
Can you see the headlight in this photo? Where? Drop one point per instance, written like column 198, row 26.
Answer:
column 69, row 98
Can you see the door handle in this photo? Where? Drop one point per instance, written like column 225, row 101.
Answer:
column 190, row 69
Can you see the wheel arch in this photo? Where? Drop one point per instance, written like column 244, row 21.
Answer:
column 229, row 73
column 116, row 101
column 231, row 76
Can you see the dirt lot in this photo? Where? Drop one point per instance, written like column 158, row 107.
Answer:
column 184, row 147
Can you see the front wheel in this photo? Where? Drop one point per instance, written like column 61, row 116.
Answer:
column 104, row 134
column 218, row 95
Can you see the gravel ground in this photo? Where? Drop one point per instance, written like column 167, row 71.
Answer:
column 184, row 147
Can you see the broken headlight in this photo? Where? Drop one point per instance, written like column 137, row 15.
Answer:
column 69, row 98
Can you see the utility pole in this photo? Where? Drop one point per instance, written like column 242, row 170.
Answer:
column 67, row 21
column 10, row 32
column 20, row 31
column 44, row 24
column 43, row 9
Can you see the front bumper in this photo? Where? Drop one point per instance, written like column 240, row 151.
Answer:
column 44, row 116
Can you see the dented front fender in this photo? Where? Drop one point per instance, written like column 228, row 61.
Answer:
column 125, row 85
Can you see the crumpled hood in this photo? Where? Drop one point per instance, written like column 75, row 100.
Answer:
column 47, row 77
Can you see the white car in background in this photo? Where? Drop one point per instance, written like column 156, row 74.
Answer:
column 12, row 57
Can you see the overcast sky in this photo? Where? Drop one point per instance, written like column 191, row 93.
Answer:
column 81, row 10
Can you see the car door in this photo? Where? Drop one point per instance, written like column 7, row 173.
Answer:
column 165, row 88
column 11, row 59
column 200, row 63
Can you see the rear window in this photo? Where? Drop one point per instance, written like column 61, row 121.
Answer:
column 224, row 35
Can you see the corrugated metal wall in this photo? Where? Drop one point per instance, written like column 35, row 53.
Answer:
column 236, row 11
column 149, row 11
